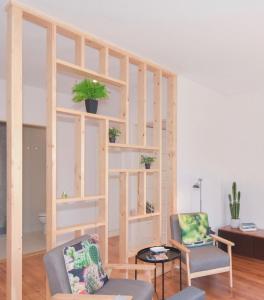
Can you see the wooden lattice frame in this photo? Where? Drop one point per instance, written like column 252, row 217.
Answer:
column 16, row 14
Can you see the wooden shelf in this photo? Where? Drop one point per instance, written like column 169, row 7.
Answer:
column 69, row 68
column 133, row 170
column 145, row 216
column 74, row 228
column 78, row 199
column 128, row 147
column 73, row 112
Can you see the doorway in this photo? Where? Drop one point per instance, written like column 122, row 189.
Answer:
column 34, row 189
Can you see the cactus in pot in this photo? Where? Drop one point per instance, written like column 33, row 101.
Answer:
column 234, row 205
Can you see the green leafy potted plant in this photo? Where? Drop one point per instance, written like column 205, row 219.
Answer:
column 147, row 160
column 89, row 91
column 113, row 134
column 234, row 204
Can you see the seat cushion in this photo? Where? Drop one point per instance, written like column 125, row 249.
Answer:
column 139, row 290
column 190, row 293
column 207, row 258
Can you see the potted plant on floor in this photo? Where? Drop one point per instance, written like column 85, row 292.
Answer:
column 113, row 134
column 89, row 91
column 234, row 204
column 147, row 160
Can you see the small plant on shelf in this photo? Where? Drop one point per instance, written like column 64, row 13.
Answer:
column 234, row 204
column 147, row 160
column 149, row 208
column 113, row 134
column 64, row 195
column 89, row 91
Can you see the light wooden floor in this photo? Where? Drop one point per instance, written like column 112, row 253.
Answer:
column 248, row 280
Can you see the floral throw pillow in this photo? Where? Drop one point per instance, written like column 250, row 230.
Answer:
column 195, row 229
column 84, row 266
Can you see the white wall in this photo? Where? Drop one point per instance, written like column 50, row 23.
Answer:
column 219, row 140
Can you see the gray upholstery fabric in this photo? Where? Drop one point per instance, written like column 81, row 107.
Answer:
column 207, row 258
column 190, row 293
column 201, row 258
column 140, row 290
column 59, row 282
column 55, row 268
column 175, row 228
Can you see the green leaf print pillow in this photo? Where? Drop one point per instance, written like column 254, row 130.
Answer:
column 195, row 229
column 84, row 267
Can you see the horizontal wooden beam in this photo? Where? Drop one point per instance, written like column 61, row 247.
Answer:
column 45, row 20
column 74, row 228
column 72, row 69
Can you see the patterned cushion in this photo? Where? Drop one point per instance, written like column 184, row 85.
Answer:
column 84, row 266
column 195, row 229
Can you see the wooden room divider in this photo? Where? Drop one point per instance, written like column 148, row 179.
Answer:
column 16, row 14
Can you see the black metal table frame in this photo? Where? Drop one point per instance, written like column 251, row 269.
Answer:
column 162, row 262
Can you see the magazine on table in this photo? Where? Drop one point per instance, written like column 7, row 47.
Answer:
column 159, row 256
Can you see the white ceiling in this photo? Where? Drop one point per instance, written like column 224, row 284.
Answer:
column 217, row 43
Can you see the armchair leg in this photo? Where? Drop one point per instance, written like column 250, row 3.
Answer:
column 189, row 281
column 188, row 269
column 231, row 277
column 229, row 250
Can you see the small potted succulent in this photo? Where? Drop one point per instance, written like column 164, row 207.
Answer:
column 234, row 205
column 150, row 209
column 89, row 91
column 147, row 160
column 113, row 134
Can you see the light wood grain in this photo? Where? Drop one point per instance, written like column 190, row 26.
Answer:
column 14, row 155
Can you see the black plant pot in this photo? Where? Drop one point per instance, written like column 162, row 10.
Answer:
column 147, row 166
column 112, row 139
column 91, row 106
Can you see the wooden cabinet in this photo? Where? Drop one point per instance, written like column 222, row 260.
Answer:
column 250, row 244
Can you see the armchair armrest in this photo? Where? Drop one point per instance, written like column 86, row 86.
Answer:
column 86, row 297
column 179, row 246
column 132, row 267
column 222, row 240
column 135, row 267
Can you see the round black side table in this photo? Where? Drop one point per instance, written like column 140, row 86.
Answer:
column 147, row 256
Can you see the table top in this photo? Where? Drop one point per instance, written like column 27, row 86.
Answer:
column 256, row 233
column 145, row 254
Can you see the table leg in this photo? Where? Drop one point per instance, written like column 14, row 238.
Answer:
column 162, row 281
column 155, row 278
column 136, row 270
column 180, row 272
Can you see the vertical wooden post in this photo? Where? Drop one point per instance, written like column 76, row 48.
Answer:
column 141, row 201
column 103, row 203
column 79, row 161
column 79, row 156
column 79, row 51
column 14, row 155
column 51, row 138
column 123, row 243
column 171, row 142
column 142, row 104
column 124, row 96
column 103, row 60
column 157, row 141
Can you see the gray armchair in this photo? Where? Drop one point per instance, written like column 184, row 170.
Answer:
column 60, row 287
column 136, row 289
column 203, row 260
